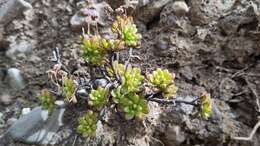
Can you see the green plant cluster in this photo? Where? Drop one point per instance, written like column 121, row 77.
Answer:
column 163, row 80
column 98, row 98
column 127, row 86
column 127, row 31
column 126, row 95
column 68, row 89
column 205, row 105
column 95, row 48
column 87, row 124
column 47, row 101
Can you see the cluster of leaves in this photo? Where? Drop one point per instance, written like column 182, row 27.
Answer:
column 95, row 48
column 163, row 80
column 87, row 124
column 127, row 31
column 47, row 101
column 205, row 105
column 127, row 90
column 98, row 98
column 127, row 95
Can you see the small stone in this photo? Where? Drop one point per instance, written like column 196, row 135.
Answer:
column 101, row 11
column 10, row 9
column 2, row 122
column 6, row 99
column 174, row 135
column 37, row 127
column 151, row 10
column 162, row 45
column 204, row 12
column 83, row 93
column 186, row 108
column 100, row 83
column 59, row 102
column 16, row 48
column 180, row 8
column 25, row 111
column 15, row 78
column 231, row 24
column 202, row 33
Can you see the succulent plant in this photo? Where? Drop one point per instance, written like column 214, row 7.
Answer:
column 131, row 103
column 134, row 106
column 205, row 105
column 98, row 98
column 119, row 69
column 127, row 31
column 163, row 80
column 93, row 50
column 118, row 95
column 47, row 101
column 160, row 78
column 170, row 91
column 68, row 89
column 132, row 79
column 87, row 124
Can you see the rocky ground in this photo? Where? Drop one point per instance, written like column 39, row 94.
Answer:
column 214, row 47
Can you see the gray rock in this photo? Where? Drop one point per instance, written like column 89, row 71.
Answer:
column 174, row 135
column 17, row 49
column 204, row 12
column 37, row 126
column 15, row 78
column 6, row 99
column 10, row 9
column 172, row 13
column 2, row 122
column 151, row 10
column 102, row 11
column 83, row 93
column 187, row 109
column 233, row 22
column 100, row 83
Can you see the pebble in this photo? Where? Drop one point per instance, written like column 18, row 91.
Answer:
column 180, row 8
column 25, row 111
column 100, row 83
column 18, row 50
column 10, row 9
column 37, row 127
column 174, row 136
column 15, row 78
column 6, row 99
column 2, row 122
column 102, row 11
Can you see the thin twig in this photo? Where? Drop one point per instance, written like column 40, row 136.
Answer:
column 250, row 137
column 254, row 93
column 166, row 101
column 73, row 144
column 238, row 73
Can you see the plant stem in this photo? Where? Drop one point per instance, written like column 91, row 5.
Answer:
column 152, row 97
column 166, row 101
